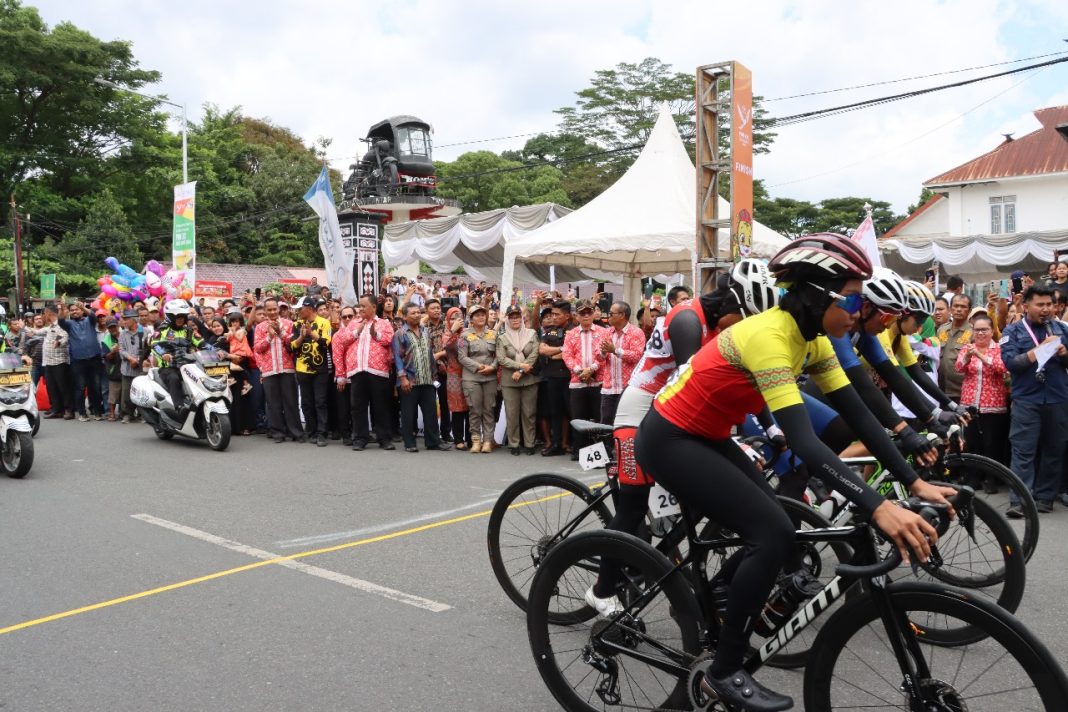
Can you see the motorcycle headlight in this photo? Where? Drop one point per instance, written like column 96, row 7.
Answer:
column 215, row 385
column 13, row 396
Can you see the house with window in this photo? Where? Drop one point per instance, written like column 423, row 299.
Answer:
column 1006, row 209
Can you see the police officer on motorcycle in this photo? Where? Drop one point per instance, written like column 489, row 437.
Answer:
column 176, row 337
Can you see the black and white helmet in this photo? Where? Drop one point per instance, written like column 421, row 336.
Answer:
column 174, row 309
column 753, row 286
column 921, row 300
column 886, row 289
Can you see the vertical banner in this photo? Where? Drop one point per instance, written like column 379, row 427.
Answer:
column 183, row 237
column 48, row 286
column 367, row 257
column 741, row 162
column 338, row 271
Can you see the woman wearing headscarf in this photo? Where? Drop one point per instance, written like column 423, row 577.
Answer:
column 454, row 326
column 517, row 353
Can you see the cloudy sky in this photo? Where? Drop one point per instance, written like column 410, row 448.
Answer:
column 478, row 70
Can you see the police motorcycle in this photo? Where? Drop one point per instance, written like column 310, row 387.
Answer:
column 18, row 416
column 205, row 376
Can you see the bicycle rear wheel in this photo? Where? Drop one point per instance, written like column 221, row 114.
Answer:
column 525, row 521
column 976, row 470
column 593, row 664
column 1008, row 669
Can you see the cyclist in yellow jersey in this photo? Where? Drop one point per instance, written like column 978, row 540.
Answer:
column 684, row 441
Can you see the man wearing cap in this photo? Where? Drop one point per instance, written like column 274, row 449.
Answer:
column 112, row 366
column 477, row 353
column 130, row 351
column 311, row 348
column 582, row 354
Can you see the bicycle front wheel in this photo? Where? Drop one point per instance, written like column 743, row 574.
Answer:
column 1008, row 669
column 639, row 659
column 526, row 521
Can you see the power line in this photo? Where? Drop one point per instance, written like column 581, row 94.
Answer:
column 919, row 76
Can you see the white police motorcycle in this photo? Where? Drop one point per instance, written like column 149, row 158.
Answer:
column 205, row 379
column 18, row 416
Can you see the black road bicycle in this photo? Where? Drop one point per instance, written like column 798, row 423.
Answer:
column 878, row 649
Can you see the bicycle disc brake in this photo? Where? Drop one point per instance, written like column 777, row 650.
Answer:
column 939, row 696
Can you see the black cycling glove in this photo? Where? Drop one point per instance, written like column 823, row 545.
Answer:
column 914, row 443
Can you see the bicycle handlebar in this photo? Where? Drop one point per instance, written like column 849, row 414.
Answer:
column 937, row 515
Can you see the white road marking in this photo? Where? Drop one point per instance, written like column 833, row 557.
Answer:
column 401, row 524
column 358, row 584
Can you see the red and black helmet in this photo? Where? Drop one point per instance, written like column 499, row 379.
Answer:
column 821, row 257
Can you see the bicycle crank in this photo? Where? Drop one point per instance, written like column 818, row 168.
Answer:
column 702, row 698
column 608, row 687
column 939, row 696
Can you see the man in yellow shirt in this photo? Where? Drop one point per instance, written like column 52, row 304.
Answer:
column 311, row 349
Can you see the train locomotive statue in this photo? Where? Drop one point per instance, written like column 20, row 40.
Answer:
column 398, row 162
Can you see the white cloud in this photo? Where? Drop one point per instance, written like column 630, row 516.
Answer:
column 482, row 69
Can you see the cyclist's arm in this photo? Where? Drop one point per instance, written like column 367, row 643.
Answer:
column 685, row 336
column 847, row 402
column 904, row 389
column 874, row 399
column 921, row 379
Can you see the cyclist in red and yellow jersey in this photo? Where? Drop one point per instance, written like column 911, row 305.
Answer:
column 685, row 442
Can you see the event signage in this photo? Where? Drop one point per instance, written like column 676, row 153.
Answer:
column 320, row 197
column 48, row 286
column 366, row 242
column 741, row 162
column 183, row 236
column 213, row 289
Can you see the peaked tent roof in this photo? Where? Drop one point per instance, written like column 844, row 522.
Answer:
column 1039, row 152
column 642, row 225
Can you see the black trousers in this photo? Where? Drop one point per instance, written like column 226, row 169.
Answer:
column 424, row 399
column 172, row 381
column 609, row 404
column 314, row 393
column 343, row 406
column 461, row 430
column 366, row 389
column 445, row 424
column 558, row 402
column 280, row 393
column 60, row 392
column 988, row 434
column 585, row 405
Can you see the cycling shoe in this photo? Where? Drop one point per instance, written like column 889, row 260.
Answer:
column 740, row 691
column 605, row 607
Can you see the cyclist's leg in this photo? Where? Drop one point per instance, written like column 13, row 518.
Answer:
column 716, row 479
column 631, row 506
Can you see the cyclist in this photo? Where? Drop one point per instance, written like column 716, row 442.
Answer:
column 685, row 442
column 747, row 290
column 175, row 337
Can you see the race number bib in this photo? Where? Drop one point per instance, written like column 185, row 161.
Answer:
column 593, row 456
column 662, row 503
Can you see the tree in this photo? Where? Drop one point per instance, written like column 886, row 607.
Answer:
column 789, row 217
column 53, row 118
column 843, row 215
column 103, row 233
column 483, row 180
column 925, row 195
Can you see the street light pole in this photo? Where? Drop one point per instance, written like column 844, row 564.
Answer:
column 185, row 151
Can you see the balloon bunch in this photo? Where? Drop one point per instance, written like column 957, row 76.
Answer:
column 125, row 285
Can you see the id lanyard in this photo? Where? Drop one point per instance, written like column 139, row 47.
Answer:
column 1031, row 333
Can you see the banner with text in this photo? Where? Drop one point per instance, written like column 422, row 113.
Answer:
column 741, row 162
column 48, row 286
column 338, row 269
column 216, row 289
column 183, row 236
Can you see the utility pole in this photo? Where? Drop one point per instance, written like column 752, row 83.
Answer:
column 17, row 231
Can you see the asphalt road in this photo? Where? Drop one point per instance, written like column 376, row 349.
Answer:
column 134, row 578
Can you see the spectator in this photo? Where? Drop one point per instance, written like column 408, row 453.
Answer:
column 416, row 369
column 462, row 297
column 458, row 410
column 941, row 313
column 953, row 336
column 621, row 348
column 342, row 404
column 272, row 347
column 435, row 324
column 13, row 339
column 388, row 309
column 984, row 388
column 113, row 368
column 33, row 346
column 1039, row 418
column 311, row 344
column 55, row 355
column 364, row 349
column 1060, row 279
column 85, row 362
column 582, row 354
column 477, row 353
column 954, row 286
column 131, row 352
column 517, row 353
column 254, row 315
column 313, row 289
column 674, row 296
column 557, row 376
column 1050, row 277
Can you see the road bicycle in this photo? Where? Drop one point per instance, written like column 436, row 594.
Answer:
column 875, row 649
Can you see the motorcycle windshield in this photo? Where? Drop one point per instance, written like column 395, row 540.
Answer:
column 212, row 363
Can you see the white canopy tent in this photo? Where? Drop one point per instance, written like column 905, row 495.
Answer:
column 977, row 258
column 475, row 241
column 644, row 225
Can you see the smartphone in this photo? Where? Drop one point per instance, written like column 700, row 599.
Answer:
column 259, row 290
column 995, row 287
column 929, row 275
column 1017, row 285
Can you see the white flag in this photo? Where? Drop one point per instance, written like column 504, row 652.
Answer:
column 338, row 269
column 865, row 235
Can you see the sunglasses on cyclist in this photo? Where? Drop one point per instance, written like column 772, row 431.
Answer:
column 850, row 304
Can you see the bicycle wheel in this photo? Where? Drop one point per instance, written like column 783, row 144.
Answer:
column 976, row 470
column 525, row 521
column 594, row 664
column 1009, row 669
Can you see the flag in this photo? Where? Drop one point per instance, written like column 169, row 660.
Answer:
column 338, row 269
column 865, row 235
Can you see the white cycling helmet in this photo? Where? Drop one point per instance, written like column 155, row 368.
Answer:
column 886, row 289
column 921, row 300
column 753, row 286
column 174, row 309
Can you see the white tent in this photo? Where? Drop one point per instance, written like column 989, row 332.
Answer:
column 474, row 240
column 644, row 225
column 977, row 258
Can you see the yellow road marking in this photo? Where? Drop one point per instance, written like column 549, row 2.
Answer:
column 260, row 564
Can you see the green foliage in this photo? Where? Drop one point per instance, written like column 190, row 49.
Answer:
column 925, row 195
column 844, row 214
column 483, row 180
